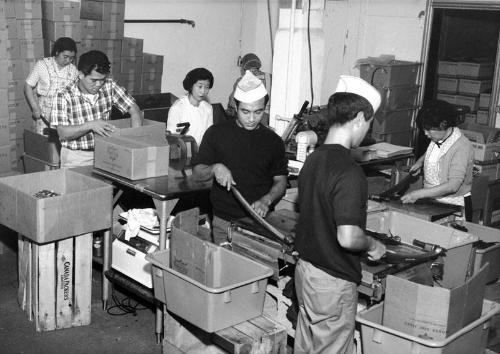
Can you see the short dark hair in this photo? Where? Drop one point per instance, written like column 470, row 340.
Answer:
column 437, row 115
column 94, row 60
column 345, row 106
column 266, row 99
column 196, row 75
column 62, row 44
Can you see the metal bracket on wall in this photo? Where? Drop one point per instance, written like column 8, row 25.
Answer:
column 181, row 20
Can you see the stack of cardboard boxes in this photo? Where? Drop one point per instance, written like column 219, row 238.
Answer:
column 467, row 83
column 396, row 82
column 20, row 45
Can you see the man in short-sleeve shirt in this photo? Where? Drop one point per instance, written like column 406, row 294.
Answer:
column 330, row 234
column 243, row 153
column 83, row 109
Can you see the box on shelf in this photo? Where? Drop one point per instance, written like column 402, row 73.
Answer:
column 468, row 101
column 131, row 64
column 90, row 29
column 377, row 338
column 130, row 81
column 29, row 9
column 29, row 28
column 150, row 84
column 447, row 67
column 205, row 284
column 475, row 69
column 447, row 97
column 485, row 141
column 131, row 156
column 55, row 10
column 474, row 87
column 484, row 100
column 152, row 63
column 433, row 312
column 392, row 121
column 52, row 30
column 111, row 47
column 11, row 29
column 83, row 46
column 9, row 48
column 31, row 48
column 447, row 84
column 84, row 201
column 457, row 243
column 398, row 97
column 132, row 47
column 483, row 117
column 97, row 10
column 397, row 72
column 470, row 118
column 112, row 29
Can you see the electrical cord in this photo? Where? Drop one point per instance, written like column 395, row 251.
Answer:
column 310, row 51
column 124, row 306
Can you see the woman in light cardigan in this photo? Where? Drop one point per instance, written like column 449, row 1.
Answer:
column 447, row 163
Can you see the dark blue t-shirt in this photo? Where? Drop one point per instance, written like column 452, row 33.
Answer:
column 332, row 192
column 254, row 157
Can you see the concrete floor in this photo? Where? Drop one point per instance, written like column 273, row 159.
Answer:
column 106, row 334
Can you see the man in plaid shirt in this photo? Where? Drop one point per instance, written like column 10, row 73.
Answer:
column 83, row 108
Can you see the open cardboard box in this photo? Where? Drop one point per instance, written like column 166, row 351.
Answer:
column 82, row 206
column 485, row 141
column 432, row 312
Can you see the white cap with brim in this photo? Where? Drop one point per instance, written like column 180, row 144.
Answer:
column 353, row 84
column 250, row 88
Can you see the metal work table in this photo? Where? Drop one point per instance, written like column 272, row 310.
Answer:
column 165, row 192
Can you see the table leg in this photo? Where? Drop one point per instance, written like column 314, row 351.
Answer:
column 105, row 267
column 163, row 208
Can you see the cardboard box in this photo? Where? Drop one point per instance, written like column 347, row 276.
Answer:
column 447, row 67
column 150, row 83
column 18, row 126
column 109, row 11
column 483, row 117
column 132, row 47
column 392, row 121
column 82, row 206
column 113, row 29
column 150, row 128
column 112, row 47
column 447, row 97
column 52, row 30
column 28, row 9
column 9, row 49
column 131, row 65
column 10, row 9
column 19, row 109
column 57, row 10
column 85, row 45
column 6, row 156
column 4, row 131
column 115, row 66
column 474, row 87
column 489, row 170
column 379, row 339
column 130, row 81
column 132, row 157
column 397, row 72
column 457, row 243
column 90, row 29
column 44, row 148
column 485, row 141
column 31, row 48
column 152, row 63
column 469, row 101
column 447, row 84
column 402, row 138
column 475, row 69
column 29, row 28
column 433, row 312
column 470, row 118
column 484, row 100
column 11, row 28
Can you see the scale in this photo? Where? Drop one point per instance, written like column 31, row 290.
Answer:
column 128, row 257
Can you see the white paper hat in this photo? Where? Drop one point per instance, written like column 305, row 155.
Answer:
column 250, row 88
column 353, row 84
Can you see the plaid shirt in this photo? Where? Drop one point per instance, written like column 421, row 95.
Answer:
column 72, row 107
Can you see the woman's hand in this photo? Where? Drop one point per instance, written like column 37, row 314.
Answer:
column 412, row 197
column 416, row 169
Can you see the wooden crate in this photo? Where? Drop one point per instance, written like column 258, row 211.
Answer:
column 55, row 282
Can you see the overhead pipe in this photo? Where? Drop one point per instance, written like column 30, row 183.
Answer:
column 181, row 20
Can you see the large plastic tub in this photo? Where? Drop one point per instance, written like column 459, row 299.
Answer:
column 234, row 292
column 379, row 339
column 457, row 243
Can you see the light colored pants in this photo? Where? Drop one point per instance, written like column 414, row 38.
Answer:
column 327, row 312
column 76, row 158
column 219, row 230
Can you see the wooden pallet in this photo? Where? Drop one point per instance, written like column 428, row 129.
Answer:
column 260, row 335
column 55, row 282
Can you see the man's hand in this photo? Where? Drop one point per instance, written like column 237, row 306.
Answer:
column 262, row 205
column 376, row 251
column 223, row 176
column 102, row 127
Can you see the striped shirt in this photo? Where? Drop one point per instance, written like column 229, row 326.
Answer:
column 72, row 107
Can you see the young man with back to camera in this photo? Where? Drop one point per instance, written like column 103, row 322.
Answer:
column 330, row 234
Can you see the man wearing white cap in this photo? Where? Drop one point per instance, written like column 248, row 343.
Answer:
column 243, row 153
column 330, row 234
